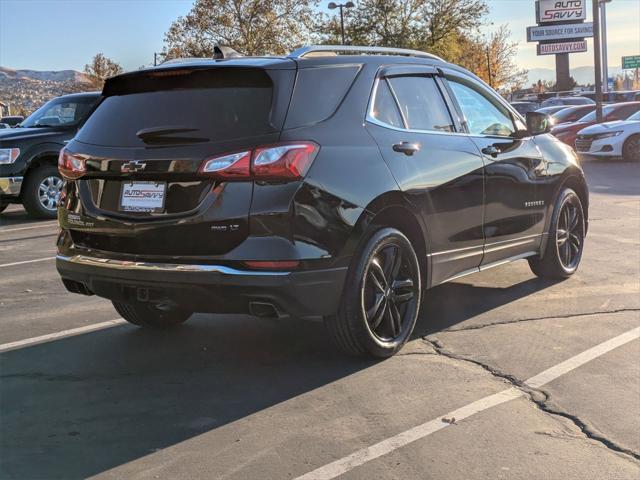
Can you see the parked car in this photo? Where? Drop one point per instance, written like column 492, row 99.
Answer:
column 620, row 138
column 5, row 125
column 29, row 153
column 616, row 96
column 551, row 110
column 333, row 183
column 12, row 120
column 571, row 114
column 524, row 107
column 567, row 132
column 553, row 101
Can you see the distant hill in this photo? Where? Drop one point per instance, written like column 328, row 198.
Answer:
column 26, row 90
column 582, row 75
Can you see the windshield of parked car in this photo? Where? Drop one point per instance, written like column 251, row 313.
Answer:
column 61, row 112
column 591, row 117
column 571, row 113
column 635, row 116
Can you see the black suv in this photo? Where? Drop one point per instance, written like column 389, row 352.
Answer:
column 337, row 182
column 29, row 153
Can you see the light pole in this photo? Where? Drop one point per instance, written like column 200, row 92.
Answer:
column 333, row 6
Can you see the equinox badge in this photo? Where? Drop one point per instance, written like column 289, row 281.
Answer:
column 133, row 166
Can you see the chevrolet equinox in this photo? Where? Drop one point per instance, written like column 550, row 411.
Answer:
column 336, row 182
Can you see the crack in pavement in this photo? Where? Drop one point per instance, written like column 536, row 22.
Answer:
column 536, row 319
column 539, row 397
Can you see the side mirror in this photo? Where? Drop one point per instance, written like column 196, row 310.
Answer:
column 538, row 123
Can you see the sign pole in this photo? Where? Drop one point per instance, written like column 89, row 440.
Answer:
column 563, row 76
column 603, row 34
column 597, row 59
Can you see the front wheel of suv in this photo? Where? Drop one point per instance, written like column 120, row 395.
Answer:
column 150, row 315
column 381, row 298
column 41, row 192
column 563, row 252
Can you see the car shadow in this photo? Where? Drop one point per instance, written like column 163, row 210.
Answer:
column 15, row 215
column 83, row 405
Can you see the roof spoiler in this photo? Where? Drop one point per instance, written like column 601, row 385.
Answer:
column 220, row 51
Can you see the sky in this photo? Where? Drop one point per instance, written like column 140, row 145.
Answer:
column 66, row 34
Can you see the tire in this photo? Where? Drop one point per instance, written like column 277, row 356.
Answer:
column 563, row 251
column 631, row 149
column 42, row 190
column 3, row 206
column 376, row 318
column 151, row 316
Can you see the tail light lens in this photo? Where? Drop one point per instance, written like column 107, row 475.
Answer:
column 233, row 165
column 71, row 166
column 283, row 162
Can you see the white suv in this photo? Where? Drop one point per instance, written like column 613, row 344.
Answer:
column 612, row 139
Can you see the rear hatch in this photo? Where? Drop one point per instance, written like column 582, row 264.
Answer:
column 144, row 145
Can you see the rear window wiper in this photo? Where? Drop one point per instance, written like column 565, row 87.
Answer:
column 167, row 135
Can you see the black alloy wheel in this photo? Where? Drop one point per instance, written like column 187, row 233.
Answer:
column 570, row 234
column 388, row 293
column 381, row 297
column 563, row 251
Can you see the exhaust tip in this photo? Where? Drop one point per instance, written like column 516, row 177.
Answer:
column 263, row 310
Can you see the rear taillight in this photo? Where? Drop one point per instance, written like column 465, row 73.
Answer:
column 71, row 166
column 282, row 162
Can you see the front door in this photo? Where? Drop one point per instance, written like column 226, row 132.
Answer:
column 436, row 167
column 514, row 173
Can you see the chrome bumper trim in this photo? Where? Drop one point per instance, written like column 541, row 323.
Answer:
column 10, row 185
column 162, row 267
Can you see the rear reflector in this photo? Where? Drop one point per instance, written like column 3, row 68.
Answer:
column 280, row 265
column 71, row 166
column 282, row 162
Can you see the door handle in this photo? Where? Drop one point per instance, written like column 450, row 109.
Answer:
column 406, row 147
column 491, row 150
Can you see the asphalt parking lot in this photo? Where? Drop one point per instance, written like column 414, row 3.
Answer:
column 508, row 376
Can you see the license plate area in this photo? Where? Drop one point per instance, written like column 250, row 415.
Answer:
column 145, row 197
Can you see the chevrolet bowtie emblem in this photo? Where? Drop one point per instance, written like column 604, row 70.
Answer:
column 133, row 166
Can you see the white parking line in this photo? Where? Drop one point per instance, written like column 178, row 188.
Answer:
column 26, row 261
column 360, row 457
column 43, row 225
column 5, row 347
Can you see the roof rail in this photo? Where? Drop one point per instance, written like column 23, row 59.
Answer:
column 352, row 49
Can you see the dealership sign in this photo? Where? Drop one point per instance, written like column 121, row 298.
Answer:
column 559, row 32
column 553, row 11
column 631, row 62
column 562, row 47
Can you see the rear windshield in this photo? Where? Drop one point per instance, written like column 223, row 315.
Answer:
column 184, row 106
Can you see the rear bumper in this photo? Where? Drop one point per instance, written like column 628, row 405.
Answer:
column 207, row 288
column 10, row 186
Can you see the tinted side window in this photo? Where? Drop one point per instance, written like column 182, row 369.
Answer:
column 385, row 108
column 484, row 116
column 625, row 112
column 421, row 103
column 318, row 92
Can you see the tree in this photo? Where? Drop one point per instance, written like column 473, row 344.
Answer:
column 430, row 25
column 252, row 27
column 102, row 68
column 492, row 58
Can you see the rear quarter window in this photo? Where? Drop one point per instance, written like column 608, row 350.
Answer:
column 318, row 93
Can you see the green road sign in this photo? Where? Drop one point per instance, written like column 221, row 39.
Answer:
column 631, row 62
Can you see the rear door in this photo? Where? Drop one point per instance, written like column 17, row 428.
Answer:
column 515, row 171
column 436, row 167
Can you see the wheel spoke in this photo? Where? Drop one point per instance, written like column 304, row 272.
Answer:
column 377, row 277
column 574, row 219
column 388, row 266
column 404, row 297
column 396, row 318
column 376, row 313
column 561, row 236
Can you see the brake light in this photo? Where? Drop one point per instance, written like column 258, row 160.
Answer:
column 283, row 162
column 233, row 165
column 71, row 166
